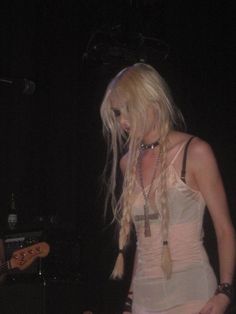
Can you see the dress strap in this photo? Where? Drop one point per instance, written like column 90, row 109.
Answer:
column 177, row 154
column 183, row 171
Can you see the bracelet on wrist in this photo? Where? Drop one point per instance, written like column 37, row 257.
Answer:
column 128, row 305
column 225, row 288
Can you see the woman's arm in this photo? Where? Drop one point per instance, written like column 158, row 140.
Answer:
column 208, row 179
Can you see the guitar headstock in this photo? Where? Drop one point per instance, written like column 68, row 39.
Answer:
column 24, row 257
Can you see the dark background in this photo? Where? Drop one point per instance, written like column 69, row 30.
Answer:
column 51, row 147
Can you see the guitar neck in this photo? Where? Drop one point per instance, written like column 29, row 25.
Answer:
column 4, row 268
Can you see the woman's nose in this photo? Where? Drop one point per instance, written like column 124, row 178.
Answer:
column 123, row 122
column 122, row 119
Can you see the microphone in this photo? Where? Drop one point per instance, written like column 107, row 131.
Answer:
column 25, row 86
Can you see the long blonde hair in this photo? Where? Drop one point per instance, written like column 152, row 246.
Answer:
column 137, row 89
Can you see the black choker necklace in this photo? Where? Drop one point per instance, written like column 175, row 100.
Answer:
column 149, row 146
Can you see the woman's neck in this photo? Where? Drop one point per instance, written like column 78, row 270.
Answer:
column 151, row 137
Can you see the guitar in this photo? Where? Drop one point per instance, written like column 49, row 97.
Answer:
column 23, row 258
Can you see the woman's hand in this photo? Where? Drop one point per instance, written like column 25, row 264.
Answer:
column 216, row 305
column 126, row 312
column 87, row 312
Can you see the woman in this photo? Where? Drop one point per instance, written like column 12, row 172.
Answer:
column 169, row 178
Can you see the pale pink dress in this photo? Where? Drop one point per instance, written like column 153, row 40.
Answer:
column 193, row 281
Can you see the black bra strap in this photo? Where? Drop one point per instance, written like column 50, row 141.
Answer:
column 183, row 171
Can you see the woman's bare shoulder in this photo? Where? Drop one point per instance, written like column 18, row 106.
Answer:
column 197, row 149
column 198, row 145
column 201, row 155
column 177, row 139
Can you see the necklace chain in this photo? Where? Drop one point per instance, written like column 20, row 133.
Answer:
column 147, row 229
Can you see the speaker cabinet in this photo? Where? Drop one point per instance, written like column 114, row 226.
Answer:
column 21, row 298
column 37, row 297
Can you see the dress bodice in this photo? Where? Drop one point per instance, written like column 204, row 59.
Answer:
column 190, row 265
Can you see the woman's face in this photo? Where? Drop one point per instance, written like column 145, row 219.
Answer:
column 118, row 107
column 121, row 117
